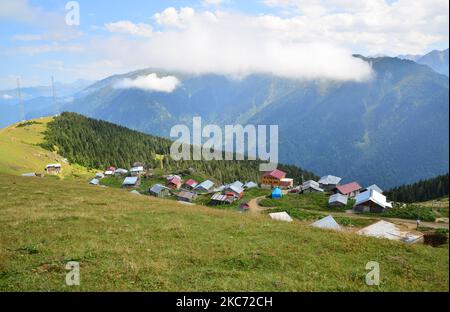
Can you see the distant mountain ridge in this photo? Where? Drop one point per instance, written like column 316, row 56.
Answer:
column 391, row 130
column 437, row 60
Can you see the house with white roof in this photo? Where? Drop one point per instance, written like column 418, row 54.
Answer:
column 371, row 201
column 205, row 186
column 131, row 182
column 338, row 200
column 311, row 186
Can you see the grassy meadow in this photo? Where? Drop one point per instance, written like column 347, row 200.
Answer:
column 126, row 242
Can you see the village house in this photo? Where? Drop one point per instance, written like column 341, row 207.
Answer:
column 250, row 185
column 338, row 200
column 53, row 169
column 174, row 183
column 286, row 183
column 99, row 175
column 138, row 164
column 329, row 182
column 235, row 189
column 137, row 171
column 270, row 179
column 204, row 187
column 373, row 187
column 221, row 199
column 311, row 186
column 371, row 201
column 186, row 196
column 131, row 182
column 350, row 189
column 190, row 184
column 120, row 172
column 159, row 190
column 110, row 171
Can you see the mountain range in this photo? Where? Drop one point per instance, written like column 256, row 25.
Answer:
column 436, row 60
column 390, row 130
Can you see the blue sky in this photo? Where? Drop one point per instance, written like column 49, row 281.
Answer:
column 284, row 37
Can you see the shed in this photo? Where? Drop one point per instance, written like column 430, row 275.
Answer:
column 327, row 223
column 99, row 175
column 174, row 183
column 94, row 182
column 281, row 216
column 136, row 171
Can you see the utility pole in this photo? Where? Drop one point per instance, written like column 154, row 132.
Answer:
column 21, row 108
column 54, row 97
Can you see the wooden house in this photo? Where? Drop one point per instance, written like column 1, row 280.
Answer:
column 53, row 169
column 270, row 179
column 186, row 196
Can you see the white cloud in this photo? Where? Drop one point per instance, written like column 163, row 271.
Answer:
column 7, row 97
column 173, row 18
column 150, row 83
column 236, row 45
column 127, row 27
column 213, row 2
column 370, row 26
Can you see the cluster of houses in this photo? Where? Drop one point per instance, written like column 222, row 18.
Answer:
column 369, row 199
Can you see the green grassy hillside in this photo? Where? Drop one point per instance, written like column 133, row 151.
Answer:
column 20, row 151
column 128, row 242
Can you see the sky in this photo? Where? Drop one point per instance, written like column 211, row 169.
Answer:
column 307, row 39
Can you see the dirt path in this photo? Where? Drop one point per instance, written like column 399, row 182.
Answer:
column 254, row 207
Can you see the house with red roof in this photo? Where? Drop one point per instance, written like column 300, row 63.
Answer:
column 350, row 189
column 272, row 178
column 190, row 184
column 174, row 183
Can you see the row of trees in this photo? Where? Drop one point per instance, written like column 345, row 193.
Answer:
column 98, row 144
column 420, row 191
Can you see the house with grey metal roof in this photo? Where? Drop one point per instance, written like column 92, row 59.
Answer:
column 329, row 182
column 131, row 182
column 205, row 186
column 159, row 190
column 186, row 196
column 337, row 200
column 250, row 185
column 311, row 186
